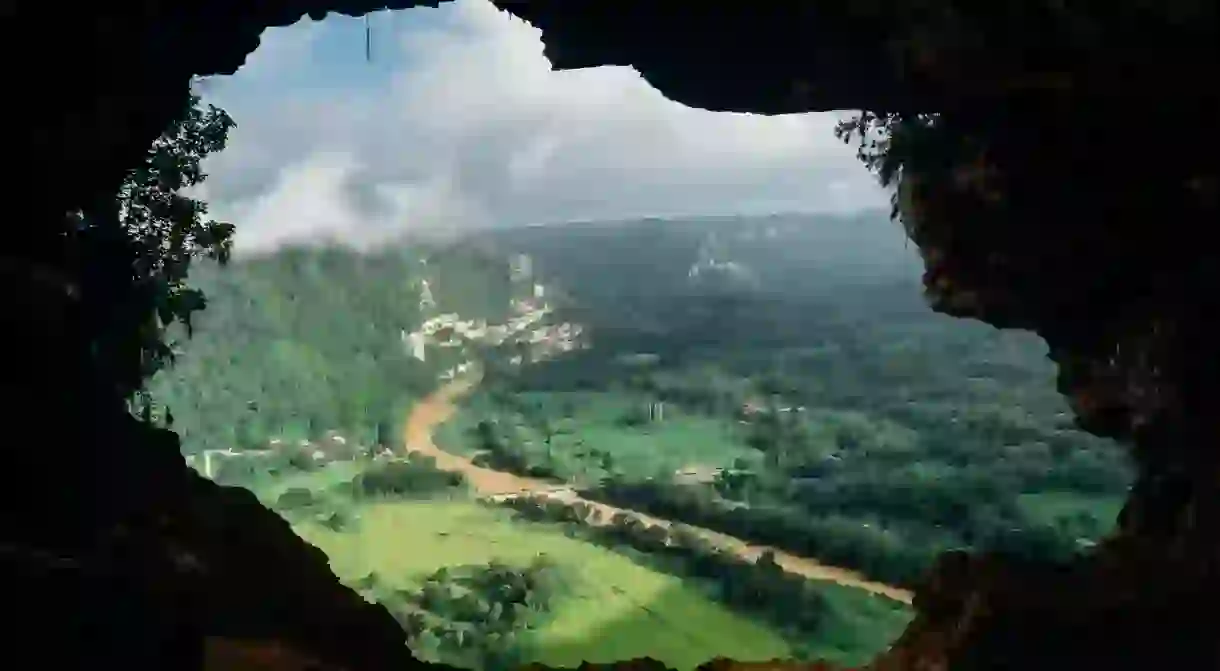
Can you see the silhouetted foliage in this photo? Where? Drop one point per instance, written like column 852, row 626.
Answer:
column 139, row 247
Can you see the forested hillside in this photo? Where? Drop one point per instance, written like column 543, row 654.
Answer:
column 828, row 410
column 309, row 340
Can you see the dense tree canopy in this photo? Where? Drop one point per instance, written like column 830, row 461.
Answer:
column 822, row 411
column 871, row 432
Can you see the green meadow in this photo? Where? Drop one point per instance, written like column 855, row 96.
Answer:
column 612, row 608
column 593, row 424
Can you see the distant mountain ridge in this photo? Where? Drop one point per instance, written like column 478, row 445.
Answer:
column 310, row 339
column 718, row 274
column 867, row 238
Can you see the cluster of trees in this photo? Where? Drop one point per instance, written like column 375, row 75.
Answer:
column 505, row 448
column 415, row 477
column 554, row 451
column 473, row 616
column 835, row 539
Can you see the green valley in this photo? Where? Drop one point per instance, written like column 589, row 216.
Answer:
column 695, row 407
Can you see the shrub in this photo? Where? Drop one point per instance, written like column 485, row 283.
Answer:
column 295, row 499
column 407, row 479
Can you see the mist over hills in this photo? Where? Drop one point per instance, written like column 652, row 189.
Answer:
column 813, row 250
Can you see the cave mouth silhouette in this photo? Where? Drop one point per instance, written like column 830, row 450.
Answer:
column 1036, row 154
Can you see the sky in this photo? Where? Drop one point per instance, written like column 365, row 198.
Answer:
column 458, row 121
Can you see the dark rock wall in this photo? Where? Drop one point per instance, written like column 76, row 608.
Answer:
column 1067, row 186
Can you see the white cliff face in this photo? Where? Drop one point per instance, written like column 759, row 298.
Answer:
column 415, row 345
column 521, row 268
column 426, row 301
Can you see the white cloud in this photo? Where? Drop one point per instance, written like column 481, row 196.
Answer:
column 304, row 201
column 279, row 51
column 472, row 127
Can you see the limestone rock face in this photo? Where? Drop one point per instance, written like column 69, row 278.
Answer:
column 1054, row 166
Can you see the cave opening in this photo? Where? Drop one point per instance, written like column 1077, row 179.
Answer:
column 1023, row 194
column 381, row 162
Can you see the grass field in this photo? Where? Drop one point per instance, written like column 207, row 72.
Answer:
column 591, row 421
column 614, row 609
column 665, row 446
column 858, row 626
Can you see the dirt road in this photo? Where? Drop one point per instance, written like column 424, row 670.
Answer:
column 431, row 412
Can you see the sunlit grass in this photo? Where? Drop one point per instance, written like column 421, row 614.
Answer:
column 857, row 625
column 612, row 608
column 679, row 441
